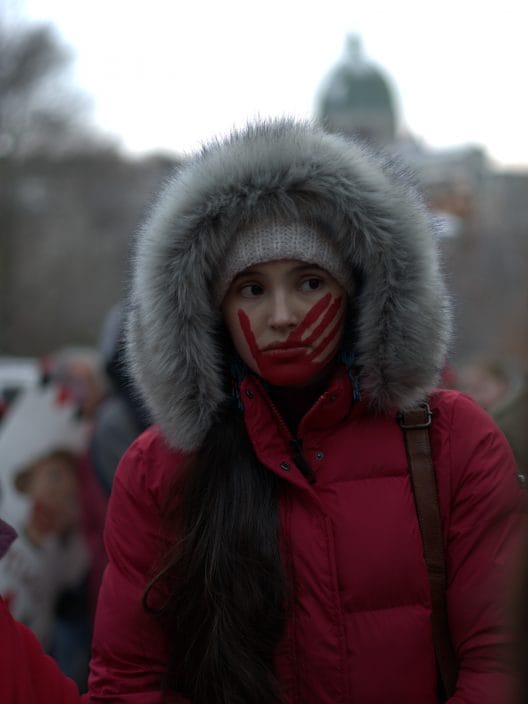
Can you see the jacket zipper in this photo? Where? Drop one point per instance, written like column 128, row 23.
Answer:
column 296, row 447
column 301, row 461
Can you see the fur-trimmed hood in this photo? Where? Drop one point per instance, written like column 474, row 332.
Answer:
column 282, row 169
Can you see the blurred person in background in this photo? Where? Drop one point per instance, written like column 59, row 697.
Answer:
column 43, row 436
column 487, row 382
column 67, row 495
column 79, row 371
column 27, row 674
column 49, row 555
column 512, row 418
column 262, row 537
column 119, row 418
column 504, row 394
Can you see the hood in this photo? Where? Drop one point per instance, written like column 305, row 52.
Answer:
column 279, row 169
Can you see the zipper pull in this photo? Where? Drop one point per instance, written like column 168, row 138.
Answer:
column 301, row 461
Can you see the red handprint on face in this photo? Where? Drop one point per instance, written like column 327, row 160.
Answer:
column 305, row 352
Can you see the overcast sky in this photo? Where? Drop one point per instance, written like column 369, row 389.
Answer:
column 169, row 74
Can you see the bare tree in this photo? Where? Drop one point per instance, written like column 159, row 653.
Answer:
column 43, row 118
column 40, row 110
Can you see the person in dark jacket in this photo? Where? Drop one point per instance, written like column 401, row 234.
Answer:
column 263, row 543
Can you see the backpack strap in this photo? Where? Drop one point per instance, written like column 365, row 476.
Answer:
column 415, row 425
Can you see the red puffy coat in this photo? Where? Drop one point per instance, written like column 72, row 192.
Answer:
column 360, row 630
column 27, row 674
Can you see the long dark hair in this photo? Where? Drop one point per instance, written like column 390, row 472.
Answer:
column 225, row 608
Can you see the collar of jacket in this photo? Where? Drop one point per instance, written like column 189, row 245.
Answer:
column 271, row 437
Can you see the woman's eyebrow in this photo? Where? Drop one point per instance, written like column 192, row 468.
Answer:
column 297, row 268
column 305, row 266
column 248, row 272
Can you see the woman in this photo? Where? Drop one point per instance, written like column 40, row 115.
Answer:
column 262, row 538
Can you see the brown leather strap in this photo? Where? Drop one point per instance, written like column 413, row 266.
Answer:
column 415, row 424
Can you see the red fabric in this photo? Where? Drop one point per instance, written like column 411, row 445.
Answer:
column 360, row 631
column 27, row 674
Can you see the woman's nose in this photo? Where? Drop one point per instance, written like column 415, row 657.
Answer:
column 283, row 313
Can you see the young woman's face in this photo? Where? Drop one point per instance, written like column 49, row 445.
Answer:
column 286, row 320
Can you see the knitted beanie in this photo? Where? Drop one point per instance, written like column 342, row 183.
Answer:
column 272, row 240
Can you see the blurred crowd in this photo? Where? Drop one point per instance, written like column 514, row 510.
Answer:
column 65, row 421
column 503, row 391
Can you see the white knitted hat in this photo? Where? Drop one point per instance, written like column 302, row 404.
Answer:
column 272, row 240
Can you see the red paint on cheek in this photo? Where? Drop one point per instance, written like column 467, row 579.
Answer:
column 309, row 319
column 301, row 366
column 250, row 337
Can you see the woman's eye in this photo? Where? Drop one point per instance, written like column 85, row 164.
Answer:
column 311, row 284
column 251, row 290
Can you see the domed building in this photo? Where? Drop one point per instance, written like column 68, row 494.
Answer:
column 356, row 98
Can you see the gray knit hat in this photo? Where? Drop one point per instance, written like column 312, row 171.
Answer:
column 271, row 240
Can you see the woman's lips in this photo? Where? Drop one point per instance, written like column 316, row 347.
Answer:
column 285, row 352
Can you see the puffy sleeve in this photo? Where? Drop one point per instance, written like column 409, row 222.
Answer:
column 129, row 649
column 27, row 674
column 487, row 517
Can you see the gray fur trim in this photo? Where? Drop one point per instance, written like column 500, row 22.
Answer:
column 283, row 169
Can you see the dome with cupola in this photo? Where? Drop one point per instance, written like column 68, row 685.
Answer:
column 356, row 98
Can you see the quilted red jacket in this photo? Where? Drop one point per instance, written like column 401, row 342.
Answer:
column 360, row 630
